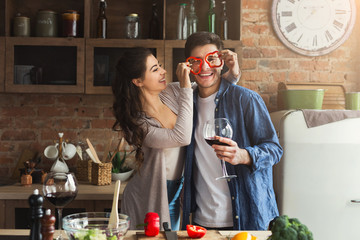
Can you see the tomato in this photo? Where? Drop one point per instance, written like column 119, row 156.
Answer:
column 195, row 231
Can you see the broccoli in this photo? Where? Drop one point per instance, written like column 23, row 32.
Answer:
column 285, row 228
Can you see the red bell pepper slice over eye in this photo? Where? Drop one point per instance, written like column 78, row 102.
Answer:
column 192, row 61
column 152, row 224
column 195, row 231
column 211, row 64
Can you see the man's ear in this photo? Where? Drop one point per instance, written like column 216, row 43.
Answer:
column 137, row 82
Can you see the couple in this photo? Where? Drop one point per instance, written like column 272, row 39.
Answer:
column 164, row 123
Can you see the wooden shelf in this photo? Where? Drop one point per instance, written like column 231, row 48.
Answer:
column 60, row 58
column 72, row 60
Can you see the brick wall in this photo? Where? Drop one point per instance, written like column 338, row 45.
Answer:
column 266, row 61
column 33, row 120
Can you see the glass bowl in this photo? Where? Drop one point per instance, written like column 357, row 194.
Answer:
column 94, row 225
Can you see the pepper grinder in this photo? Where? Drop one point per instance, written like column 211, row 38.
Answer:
column 48, row 225
column 36, row 201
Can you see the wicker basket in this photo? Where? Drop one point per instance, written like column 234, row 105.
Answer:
column 83, row 170
column 101, row 173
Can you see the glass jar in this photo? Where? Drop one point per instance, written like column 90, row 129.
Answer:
column 132, row 26
column 70, row 22
column 46, row 23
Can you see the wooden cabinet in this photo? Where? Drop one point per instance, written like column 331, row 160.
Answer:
column 86, row 64
column 2, row 63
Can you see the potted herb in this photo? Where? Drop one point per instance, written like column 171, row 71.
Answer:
column 121, row 170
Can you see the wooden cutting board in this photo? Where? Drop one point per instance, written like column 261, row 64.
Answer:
column 181, row 235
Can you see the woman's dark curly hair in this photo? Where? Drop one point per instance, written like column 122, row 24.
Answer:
column 127, row 106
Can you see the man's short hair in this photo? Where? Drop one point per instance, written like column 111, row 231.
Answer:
column 201, row 39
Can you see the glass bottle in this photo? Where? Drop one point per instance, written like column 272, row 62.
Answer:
column 101, row 20
column 154, row 28
column 211, row 16
column 192, row 19
column 224, row 21
column 182, row 22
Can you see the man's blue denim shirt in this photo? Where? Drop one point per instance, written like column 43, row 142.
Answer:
column 252, row 193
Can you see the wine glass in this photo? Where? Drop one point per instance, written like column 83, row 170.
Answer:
column 60, row 189
column 218, row 127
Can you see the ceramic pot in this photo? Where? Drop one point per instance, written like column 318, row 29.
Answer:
column 121, row 176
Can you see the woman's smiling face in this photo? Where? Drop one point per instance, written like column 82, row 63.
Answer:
column 154, row 77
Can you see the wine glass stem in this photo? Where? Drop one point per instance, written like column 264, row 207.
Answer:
column 224, row 168
column 59, row 210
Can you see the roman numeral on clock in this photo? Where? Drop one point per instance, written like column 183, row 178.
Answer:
column 315, row 40
column 338, row 25
column 292, row 1
column 286, row 14
column 328, row 36
column 290, row 27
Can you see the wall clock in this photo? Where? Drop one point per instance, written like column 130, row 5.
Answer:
column 313, row 27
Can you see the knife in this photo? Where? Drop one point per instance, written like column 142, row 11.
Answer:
column 170, row 235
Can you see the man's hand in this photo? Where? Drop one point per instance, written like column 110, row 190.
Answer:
column 232, row 153
column 231, row 61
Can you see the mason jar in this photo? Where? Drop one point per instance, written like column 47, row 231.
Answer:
column 132, row 26
column 70, row 23
column 46, row 23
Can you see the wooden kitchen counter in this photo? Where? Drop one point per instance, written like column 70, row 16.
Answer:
column 86, row 191
column 131, row 235
column 14, row 202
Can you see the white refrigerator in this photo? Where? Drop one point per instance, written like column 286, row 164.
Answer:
column 318, row 177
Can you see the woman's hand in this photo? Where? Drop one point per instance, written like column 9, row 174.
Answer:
column 183, row 74
column 231, row 153
column 231, row 61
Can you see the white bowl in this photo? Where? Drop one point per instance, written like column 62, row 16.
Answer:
column 121, row 176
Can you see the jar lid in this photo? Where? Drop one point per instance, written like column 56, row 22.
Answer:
column 71, row 11
column 47, row 11
column 133, row 15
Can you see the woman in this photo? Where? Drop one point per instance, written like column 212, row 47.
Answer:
column 158, row 128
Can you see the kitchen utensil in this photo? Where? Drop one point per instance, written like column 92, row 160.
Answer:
column 88, row 151
column 170, row 235
column 114, row 215
column 107, row 149
column 92, row 149
column 79, row 151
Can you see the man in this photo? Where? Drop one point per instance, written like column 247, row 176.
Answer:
column 246, row 202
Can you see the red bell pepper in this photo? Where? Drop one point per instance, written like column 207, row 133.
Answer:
column 152, row 224
column 195, row 231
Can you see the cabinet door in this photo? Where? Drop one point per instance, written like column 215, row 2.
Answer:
column 2, row 63
column 57, row 64
column 102, row 57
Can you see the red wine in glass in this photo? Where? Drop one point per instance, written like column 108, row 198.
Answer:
column 214, row 141
column 213, row 129
column 60, row 189
column 60, row 199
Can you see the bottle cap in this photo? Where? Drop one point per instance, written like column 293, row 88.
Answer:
column 36, row 192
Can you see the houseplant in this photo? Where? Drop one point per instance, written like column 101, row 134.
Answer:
column 121, row 164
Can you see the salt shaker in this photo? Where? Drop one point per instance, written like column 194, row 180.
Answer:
column 48, row 225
